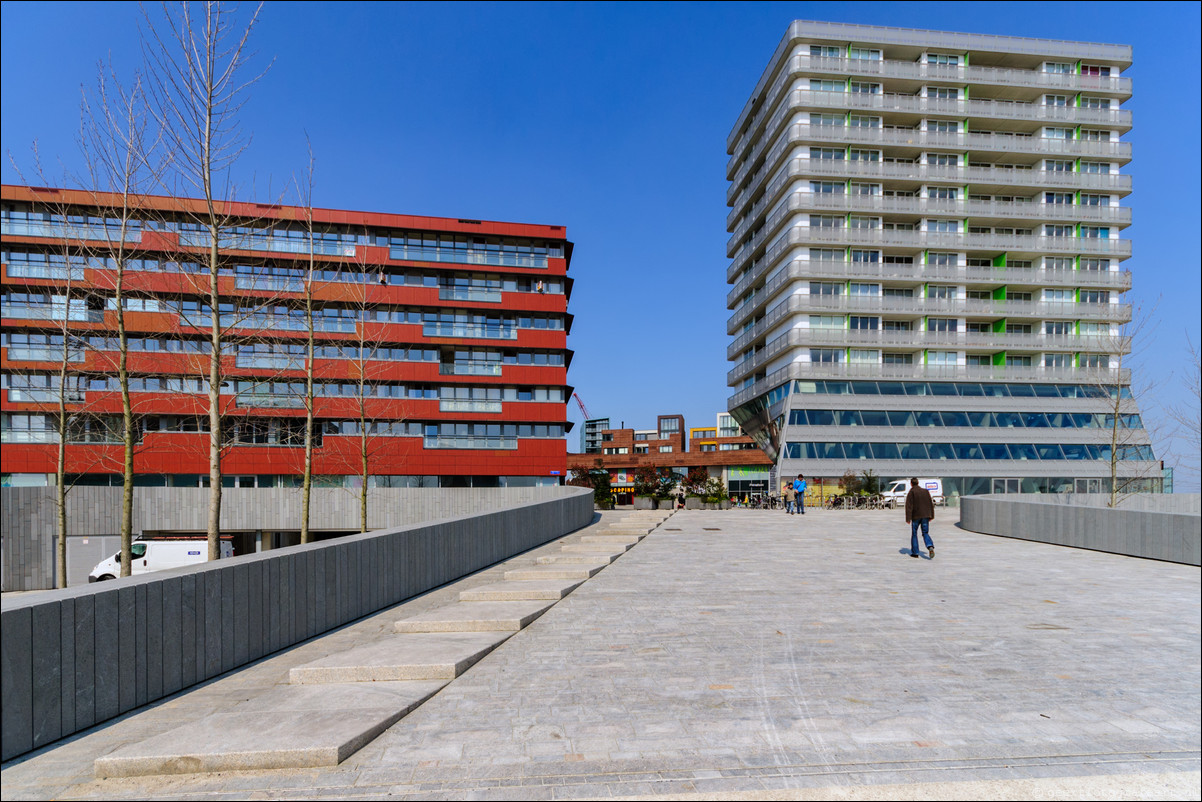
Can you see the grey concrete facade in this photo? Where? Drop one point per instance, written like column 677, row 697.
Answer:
column 1157, row 527
column 934, row 212
column 76, row 657
column 28, row 526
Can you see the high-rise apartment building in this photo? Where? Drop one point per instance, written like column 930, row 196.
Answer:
column 927, row 260
column 445, row 340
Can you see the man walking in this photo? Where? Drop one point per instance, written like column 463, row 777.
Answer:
column 920, row 509
column 799, row 492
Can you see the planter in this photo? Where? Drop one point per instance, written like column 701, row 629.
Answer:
column 644, row 503
column 693, row 503
column 709, row 505
column 667, row 504
column 724, row 505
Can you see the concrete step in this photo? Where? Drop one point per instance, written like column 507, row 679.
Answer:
column 497, row 616
column 540, row 572
column 290, row 727
column 549, row 590
column 628, row 540
column 595, row 548
column 603, row 556
column 442, row 655
column 624, row 529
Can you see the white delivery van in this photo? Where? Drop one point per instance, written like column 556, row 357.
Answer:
column 895, row 493
column 157, row 555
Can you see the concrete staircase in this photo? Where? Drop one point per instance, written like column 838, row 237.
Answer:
column 334, row 706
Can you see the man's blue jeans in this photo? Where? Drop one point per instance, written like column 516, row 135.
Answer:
column 926, row 534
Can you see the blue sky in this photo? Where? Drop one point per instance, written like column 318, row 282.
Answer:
column 610, row 119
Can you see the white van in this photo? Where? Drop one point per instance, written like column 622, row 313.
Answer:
column 895, row 493
column 157, row 555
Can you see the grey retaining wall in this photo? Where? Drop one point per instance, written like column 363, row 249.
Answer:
column 76, row 657
column 28, row 525
column 1158, row 527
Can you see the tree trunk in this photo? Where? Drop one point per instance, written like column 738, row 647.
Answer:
column 213, row 531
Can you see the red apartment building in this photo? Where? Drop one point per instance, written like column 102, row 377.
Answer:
column 458, row 328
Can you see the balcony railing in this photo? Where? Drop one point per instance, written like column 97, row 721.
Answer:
column 270, row 322
column 467, row 256
column 269, row 283
column 28, row 436
column 249, row 242
column 44, row 396
column 270, row 361
column 45, row 271
column 18, row 353
column 804, row 64
column 1119, row 280
column 456, row 405
column 268, row 401
column 51, row 312
column 68, row 231
column 469, row 294
column 470, row 369
column 469, row 330
column 487, row 443
column 1108, row 377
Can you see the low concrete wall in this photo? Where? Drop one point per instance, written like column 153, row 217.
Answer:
column 1158, row 527
column 28, row 526
column 76, row 657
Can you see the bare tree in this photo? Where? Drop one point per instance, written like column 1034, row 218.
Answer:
column 1187, row 414
column 197, row 60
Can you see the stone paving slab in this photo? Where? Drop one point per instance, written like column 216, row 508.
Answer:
column 417, row 656
column 290, row 727
column 621, row 540
column 616, row 549
column 604, row 557
column 552, row 590
column 544, row 572
column 502, row 616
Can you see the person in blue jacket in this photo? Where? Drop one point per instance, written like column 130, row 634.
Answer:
column 799, row 488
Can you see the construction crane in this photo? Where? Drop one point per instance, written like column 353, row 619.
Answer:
column 583, row 408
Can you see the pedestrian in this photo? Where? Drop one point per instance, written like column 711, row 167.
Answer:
column 920, row 510
column 789, row 497
column 799, row 491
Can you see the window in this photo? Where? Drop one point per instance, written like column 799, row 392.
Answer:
column 979, row 295
column 865, row 257
column 859, row 289
column 1058, row 328
column 943, row 126
column 1095, row 200
column 1095, row 70
column 943, row 59
column 1095, row 296
column 941, row 292
column 1058, row 262
column 897, row 325
column 1018, row 328
column 825, row 51
column 898, row 359
column 1095, row 102
column 665, row 449
column 1094, row 135
column 943, row 159
column 1018, row 361
column 826, row 288
column 862, row 323
column 864, row 356
column 860, row 155
column 1055, row 100
column 827, row 187
column 827, row 255
column 1057, row 360
column 942, row 324
column 1050, row 230
column 864, row 121
column 1095, row 232
column 943, row 92
column 1059, row 67
column 978, row 360
column 1016, row 295
column 1095, row 361
column 1058, row 133
column 864, row 53
column 899, row 292
column 858, row 188
column 826, row 119
column 826, row 86
column 941, row 358
column 943, row 226
column 1065, row 198
column 826, row 321
column 864, row 88
column 1096, row 168
column 943, row 193
column 1095, row 264
column 860, row 222
column 829, row 154
column 1058, row 296
column 1058, row 165
column 826, row 355
column 826, row 221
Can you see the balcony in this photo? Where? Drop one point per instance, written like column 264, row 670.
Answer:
column 470, row 369
column 1103, row 377
column 916, row 241
column 271, row 322
column 48, row 395
column 469, row 294
column 802, row 65
column 50, row 312
column 458, row 405
column 18, row 353
column 269, row 283
column 800, row 269
column 918, row 307
column 268, row 401
column 470, row 330
column 250, row 242
column 270, row 361
column 467, row 256
column 911, row 341
column 487, row 443
column 45, row 271
column 68, row 231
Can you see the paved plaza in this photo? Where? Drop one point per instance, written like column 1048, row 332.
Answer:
column 753, row 654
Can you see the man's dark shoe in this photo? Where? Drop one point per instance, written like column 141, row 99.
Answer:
column 931, row 551
column 914, row 554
